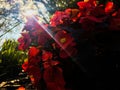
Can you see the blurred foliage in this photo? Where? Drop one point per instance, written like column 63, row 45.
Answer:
column 10, row 59
column 53, row 5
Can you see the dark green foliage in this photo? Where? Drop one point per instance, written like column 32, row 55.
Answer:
column 10, row 59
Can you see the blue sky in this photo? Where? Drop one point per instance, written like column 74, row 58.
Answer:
column 15, row 34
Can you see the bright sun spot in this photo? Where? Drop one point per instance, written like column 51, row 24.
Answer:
column 27, row 10
column 29, row 13
column 31, row 8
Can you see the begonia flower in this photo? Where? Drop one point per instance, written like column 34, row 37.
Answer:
column 58, row 18
column 109, row 7
column 43, row 38
column 25, row 66
column 47, row 56
column 33, row 51
column 24, row 41
column 54, row 78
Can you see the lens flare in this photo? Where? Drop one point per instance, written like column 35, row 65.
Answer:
column 29, row 13
column 67, row 52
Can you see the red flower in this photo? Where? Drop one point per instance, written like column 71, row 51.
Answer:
column 25, row 66
column 33, row 51
column 73, row 13
column 37, row 30
column 92, row 2
column 32, row 65
column 86, row 6
column 43, row 38
column 35, row 72
column 66, row 43
column 63, row 38
column 54, row 78
column 82, row 5
column 34, row 60
column 24, row 41
column 50, row 64
column 109, row 7
column 47, row 56
column 59, row 18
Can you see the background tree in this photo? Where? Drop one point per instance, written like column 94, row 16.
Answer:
column 10, row 11
column 11, row 20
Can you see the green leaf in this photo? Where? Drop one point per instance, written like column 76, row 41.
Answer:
column 0, row 61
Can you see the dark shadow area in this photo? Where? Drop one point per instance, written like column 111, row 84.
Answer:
column 99, row 54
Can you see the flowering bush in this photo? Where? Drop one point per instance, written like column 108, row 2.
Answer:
column 47, row 45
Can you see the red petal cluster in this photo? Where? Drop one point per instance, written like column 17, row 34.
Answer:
column 66, row 44
column 59, row 18
column 88, row 15
column 32, row 65
column 54, row 78
column 24, row 41
column 109, row 7
column 33, row 51
column 45, row 52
